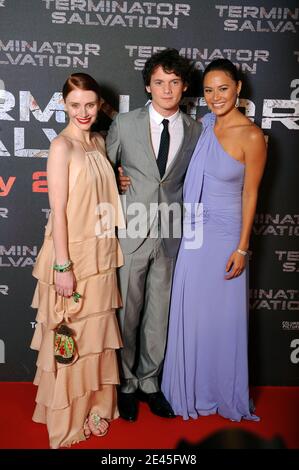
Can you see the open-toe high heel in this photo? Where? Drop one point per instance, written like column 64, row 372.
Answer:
column 86, row 428
column 95, row 424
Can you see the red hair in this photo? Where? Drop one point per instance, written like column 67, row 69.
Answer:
column 81, row 81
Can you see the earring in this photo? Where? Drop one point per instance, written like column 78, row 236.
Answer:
column 237, row 103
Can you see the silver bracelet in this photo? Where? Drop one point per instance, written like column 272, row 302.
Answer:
column 244, row 253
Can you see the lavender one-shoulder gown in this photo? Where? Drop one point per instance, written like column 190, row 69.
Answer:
column 206, row 369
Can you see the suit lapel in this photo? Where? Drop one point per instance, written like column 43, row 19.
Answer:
column 181, row 148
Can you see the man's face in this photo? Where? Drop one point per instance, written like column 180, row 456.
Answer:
column 166, row 90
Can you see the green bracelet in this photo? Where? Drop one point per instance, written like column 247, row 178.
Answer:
column 62, row 268
column 76, row 296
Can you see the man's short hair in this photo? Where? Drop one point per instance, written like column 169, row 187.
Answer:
column 171, row 62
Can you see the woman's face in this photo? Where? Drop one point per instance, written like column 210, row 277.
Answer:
column 220, row 92
column 82, row 107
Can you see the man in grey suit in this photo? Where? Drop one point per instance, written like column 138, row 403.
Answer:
column 153, row 146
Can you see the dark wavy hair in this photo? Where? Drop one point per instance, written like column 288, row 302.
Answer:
column 224, row 65
column 171, row 62
column 81, row 81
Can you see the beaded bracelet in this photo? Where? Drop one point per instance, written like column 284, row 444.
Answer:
column 242, row 252
column 62, row 268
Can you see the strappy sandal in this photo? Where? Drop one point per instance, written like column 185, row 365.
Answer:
column 86, row 428
column 94, row 421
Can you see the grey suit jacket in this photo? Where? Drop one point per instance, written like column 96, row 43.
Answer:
column 129, row 145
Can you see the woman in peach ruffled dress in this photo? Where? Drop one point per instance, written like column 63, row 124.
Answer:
column 76, row 295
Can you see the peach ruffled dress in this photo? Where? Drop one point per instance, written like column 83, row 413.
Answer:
column 67, row 393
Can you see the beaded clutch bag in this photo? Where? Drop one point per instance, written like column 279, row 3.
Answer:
column 64, row 345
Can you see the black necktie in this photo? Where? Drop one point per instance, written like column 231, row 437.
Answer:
column 164, row 148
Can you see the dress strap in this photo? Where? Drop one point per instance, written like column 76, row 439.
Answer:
column 96, row 144
column 83, row 146
column 208, row 120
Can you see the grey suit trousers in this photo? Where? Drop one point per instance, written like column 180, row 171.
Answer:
column 145, row 284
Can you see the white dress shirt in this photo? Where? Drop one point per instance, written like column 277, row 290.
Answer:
column 176, row 132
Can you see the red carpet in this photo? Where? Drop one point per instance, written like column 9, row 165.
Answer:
column 278, row 408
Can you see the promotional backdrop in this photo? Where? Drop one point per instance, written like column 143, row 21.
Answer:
column 43, row 41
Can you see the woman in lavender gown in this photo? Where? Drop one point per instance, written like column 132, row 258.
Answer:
column 206, row 367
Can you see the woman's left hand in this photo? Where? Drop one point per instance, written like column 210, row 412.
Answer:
column 235, row 265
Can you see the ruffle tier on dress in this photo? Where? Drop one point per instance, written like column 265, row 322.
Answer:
column 67, row 392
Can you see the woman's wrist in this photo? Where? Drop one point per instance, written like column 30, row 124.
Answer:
column 63, row 267
column 241, row 252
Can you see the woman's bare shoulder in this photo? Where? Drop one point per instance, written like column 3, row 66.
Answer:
column 61, row 149
column 251, row 131
column 253, row 143
column 61, row 142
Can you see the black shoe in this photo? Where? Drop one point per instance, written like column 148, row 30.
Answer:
column 158, row 404
column 127, row 405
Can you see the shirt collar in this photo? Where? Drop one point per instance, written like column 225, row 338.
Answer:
column 158, row 118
